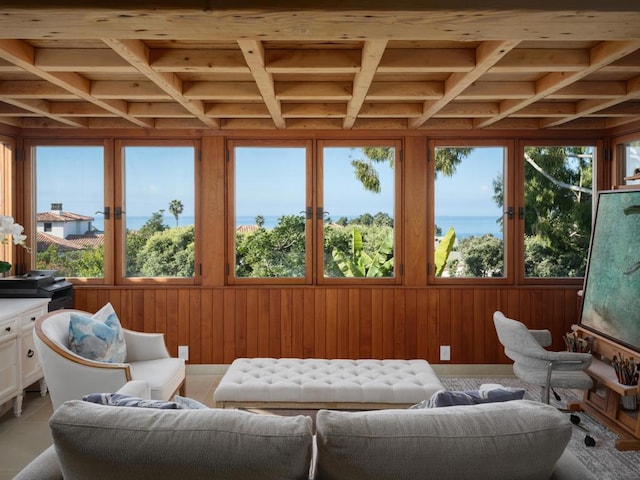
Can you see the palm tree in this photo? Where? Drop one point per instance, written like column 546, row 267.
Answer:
column 176, row 208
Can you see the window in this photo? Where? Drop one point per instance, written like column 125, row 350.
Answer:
column 270, row 211
column 69, row 203
column 357, row 209
column 469, row 230
column 558, row 200
column 283, row 203
column 158, row 211
column 631, row 160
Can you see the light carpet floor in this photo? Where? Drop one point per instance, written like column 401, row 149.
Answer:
column 603, row 459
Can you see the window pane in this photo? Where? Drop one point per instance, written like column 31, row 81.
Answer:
column 160, row 211
column 468, row 211
column 632, row 162
column 558, row 205
column 69, row 197
column 359, row 192
column 270, row 196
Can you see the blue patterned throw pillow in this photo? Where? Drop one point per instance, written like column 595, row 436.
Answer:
column 486, row 394
column 98, row 337
column 123, row 400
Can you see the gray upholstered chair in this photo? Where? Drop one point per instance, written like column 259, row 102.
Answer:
column 535, row 365
column 70, row 376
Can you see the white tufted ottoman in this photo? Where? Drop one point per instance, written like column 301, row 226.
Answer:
column 315, row 383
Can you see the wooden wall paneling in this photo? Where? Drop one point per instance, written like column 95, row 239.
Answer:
column 479, row 323
column 342, row 323
column 264, row 332
column 136, row 310
column 411, row 323
column 217, row 325
column 159, row 309
column 182, row 320
column 399, row 323
column 422, row 324
column 275, row 323
column 453, row 325
column 433, row 322
column 286, row 323
column 171, row 333
column 240, row 324
column 308, row 323
column 320, row 322
column 467, row 333
column 354, row 323
column 377, row 316
column 195, row 325
column 206, row 327
column 252, row 322
column 297, row 324
column 492, row 347
column 229, row 308
column 149, row 310
column 387, row 323
column 445, row 308
column 364, row 323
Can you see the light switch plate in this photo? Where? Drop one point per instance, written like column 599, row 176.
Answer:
column 183, row 352
column 445, row 352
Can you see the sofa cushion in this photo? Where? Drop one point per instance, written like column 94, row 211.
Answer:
column 97, row 337
column 520, row 439
column 102, row 442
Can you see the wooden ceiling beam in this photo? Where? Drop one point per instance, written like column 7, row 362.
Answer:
column 314, row 91
column 254, row 55
column 312, row 61
column 232, row 91
column 128, row 90
column 34, row 89
column 43, row 108
column 371, row 54
column 137, row 54
column 103, row 60
column 314, row 110
column 591, row 106
column 487, row 54
column 23, row 55
column 542, row 59
column 227, row 20
column 602, row 54
column 399, row 91
column 237, row 110
column 427, row 60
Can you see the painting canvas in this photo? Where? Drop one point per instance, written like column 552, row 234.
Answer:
column 611, row 302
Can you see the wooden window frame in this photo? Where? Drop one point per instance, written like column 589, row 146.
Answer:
column 508, row 224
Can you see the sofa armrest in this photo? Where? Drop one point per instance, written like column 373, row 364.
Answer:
column 543, row 337
column 569, row 467
column 144, row 346
column 44, row 467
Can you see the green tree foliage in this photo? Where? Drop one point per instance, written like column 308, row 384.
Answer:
column 483, row 256
column 176, row 208
column 81, row 263
column 136, row 240
column 448, row 159
column 365, row 168
column 169, row 253
column 558, row 200
column 277, row 252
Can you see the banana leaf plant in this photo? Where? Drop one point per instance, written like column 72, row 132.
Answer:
column 360, row 264
column 443, row 251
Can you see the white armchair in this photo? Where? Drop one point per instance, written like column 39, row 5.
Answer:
column 70, row 376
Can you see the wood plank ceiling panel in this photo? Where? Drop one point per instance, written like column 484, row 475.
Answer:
column 410, row 65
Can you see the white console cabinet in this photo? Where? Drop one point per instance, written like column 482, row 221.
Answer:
column 19, row 365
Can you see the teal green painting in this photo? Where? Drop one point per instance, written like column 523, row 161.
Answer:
column 611, row 303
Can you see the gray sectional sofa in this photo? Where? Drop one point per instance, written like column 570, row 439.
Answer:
column 511, row 440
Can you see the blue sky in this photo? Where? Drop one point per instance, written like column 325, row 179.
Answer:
column 74, row 176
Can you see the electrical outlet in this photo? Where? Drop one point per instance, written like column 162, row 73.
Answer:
column 183, row 352
column 445, row 352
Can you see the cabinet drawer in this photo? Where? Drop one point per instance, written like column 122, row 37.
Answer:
column 28, row 319
column 8, row 329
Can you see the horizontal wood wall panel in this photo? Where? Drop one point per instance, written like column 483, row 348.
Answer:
column 221, row 324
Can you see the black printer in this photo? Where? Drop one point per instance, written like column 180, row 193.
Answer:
column 39, row 284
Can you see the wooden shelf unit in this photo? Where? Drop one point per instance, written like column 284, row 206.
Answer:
column 604, row 399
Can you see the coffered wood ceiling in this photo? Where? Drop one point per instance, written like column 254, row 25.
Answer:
column 337, row 65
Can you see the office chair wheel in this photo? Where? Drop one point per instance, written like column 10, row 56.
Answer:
column 589, row 441
column 575, row 419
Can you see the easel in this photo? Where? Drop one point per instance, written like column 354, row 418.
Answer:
column 604, row 400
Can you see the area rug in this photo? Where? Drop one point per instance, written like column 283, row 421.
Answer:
column 603, row 459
